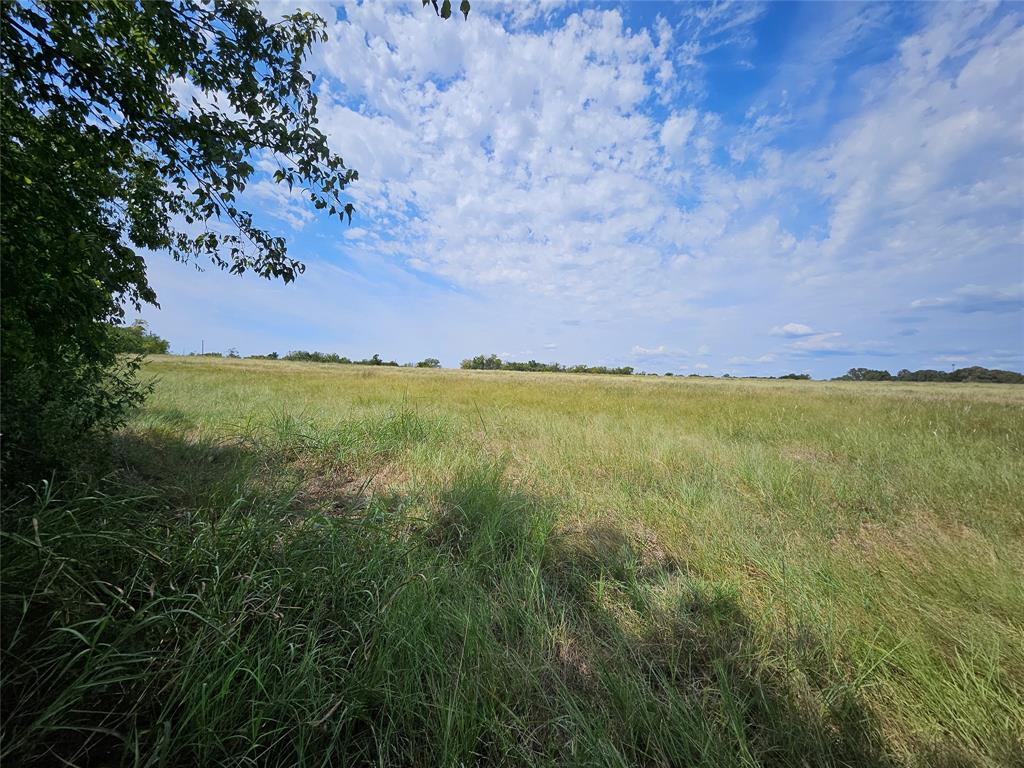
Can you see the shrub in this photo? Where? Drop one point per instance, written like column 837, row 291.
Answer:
column 135, row 339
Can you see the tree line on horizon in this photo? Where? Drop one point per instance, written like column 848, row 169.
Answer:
column 495, row 363
column 137, row 339
column 974, row 373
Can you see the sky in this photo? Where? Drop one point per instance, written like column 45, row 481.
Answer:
column 732, row 188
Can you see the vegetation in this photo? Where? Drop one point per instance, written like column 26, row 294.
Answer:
column 293, row 564
column 101, row 156
column 495, row 363
column 331, row 357
column 973, row 374
column 137, row 340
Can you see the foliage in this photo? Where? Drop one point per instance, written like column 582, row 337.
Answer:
column 376, row 360
column 271, row 356
column 798, row 376
column 445, row 9
column 864, row 374
column 129, row 125
column 483, row 363
column 495, row 363
column 65, row 272
column 137, row 340
column 332, row 357
column 430, row 362
column 300, row 355
column 974, row 373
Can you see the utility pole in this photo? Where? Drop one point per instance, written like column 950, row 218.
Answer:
column 202, row 346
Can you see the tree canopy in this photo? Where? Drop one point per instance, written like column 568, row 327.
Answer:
column 136, row 339
column 137, row 125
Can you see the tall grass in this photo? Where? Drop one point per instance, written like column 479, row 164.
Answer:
column 289, row 565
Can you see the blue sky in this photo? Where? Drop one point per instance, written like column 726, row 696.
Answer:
column 732, row 188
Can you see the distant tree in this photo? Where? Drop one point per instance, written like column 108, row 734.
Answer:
column 317, row 357
column 430, row 362
column 974, row 373
column 376, row 360
column 480, row 362
column 977, row 373
column 800, row 376
column 865, row 374
column 495, row 363
column 135, row 339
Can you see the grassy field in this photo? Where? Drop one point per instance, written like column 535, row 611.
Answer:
column 302, row 564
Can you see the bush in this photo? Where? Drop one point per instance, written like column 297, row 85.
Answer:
column 66, row 277
column 136, row 340
column 302, row 356
column 100, row 157
column 864, row 374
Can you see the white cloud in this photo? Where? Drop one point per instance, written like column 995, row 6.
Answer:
column 277, row 200
column 649, row 351
column 977, row 298
column 498, row 157
column 676, row 130
column 744, row 360
column 819, row 342
column 793, row 330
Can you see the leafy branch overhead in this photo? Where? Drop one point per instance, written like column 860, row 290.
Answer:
column 127, row 125
column 445, row 10
column 181, row 96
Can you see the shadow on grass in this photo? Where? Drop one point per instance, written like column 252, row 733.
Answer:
column 205, row 473
column 201, row 608
column 687, row 676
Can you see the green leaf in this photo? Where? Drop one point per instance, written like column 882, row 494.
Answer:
column 465, row 9
column 446, row 9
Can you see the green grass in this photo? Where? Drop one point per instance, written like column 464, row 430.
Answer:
column 302, row 564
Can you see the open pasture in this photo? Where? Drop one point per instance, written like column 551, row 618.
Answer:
column 325, row 564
